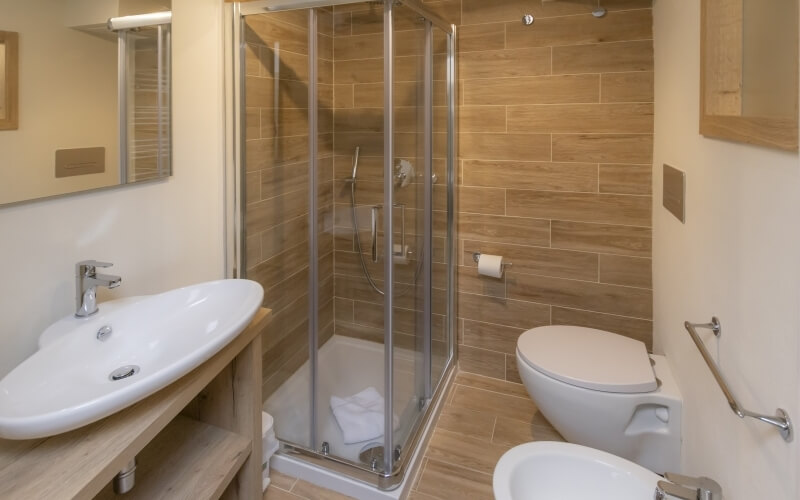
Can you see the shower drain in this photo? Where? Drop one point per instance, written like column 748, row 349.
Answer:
column 123, row 372
column 372, row 455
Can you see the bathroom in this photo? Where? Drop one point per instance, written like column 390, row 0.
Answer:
column 562, row 128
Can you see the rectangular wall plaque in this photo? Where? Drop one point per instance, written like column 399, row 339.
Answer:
column 674, row 192
column 80, row 161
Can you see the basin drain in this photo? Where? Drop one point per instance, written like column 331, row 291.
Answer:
column 123, row 372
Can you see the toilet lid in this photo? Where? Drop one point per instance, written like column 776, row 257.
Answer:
column 589, row 358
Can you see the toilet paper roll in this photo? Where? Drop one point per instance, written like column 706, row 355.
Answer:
column 490, row 265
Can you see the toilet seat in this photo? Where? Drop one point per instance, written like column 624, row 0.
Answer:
column 589, row 358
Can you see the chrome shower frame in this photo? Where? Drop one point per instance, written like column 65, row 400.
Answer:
column 393, row 470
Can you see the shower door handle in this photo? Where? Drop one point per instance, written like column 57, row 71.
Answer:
column 374, row 229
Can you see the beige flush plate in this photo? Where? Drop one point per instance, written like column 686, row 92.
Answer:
column 674, row 192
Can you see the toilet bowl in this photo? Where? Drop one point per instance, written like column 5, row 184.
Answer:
column 603, row 390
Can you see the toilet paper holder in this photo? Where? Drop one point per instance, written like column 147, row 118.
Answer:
column 476, row 256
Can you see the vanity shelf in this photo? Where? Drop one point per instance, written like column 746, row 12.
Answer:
column 202, row 461
column 217, row 405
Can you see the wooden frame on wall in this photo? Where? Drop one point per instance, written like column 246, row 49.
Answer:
column 9, row 120
column 723, row 114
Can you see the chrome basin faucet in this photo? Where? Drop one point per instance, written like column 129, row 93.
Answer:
column 688, row 488
column 86, row 282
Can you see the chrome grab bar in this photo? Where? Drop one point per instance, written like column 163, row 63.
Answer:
column 374, row 229
column 781, row 420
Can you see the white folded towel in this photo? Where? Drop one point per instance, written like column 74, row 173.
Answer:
column 360, row 416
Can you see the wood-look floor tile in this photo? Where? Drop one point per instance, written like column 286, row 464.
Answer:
column 468, row 422
column 602, row 238
column 639, row 329
column 416, row 495
column 314, row 492
column 502, row 405
column 444, row 480
column 491, row 384
column 465, row 451
column 627, row 87
column 274, row 493
column 512, row 372
column 511, row 432
column 281, row 480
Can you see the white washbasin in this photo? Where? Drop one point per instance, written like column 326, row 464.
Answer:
column 545, row 470
column 67, row 383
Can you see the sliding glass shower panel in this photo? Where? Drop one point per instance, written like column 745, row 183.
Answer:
column 277, row 210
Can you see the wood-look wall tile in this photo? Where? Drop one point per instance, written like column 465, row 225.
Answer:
column 481, row 11
column 602, row 238
column 627, row 87
column 279, row 296
column 612, row 57
column 284, row 179
column 482, row 200
column 252, row 123
column 268, row 213
column 265, row 29
column 358, row 120
column 581, row 29
column 287, row 234
column 514, row 147
column 253, row 250
column 626, row 179
column 491, row 336
column 603, row 148
column 343, row 96
column 544, row 176
column 559, row 89
column 514, row 230
column 581, row 207
column 482, row 37
column 481, row 361
column 280, row 267
column 504, row 63
column 628, row 271
column 341, row 24
column 343, row 309
column 485, row 119
column 517, row 313
column 469, row 281
column 252, row 187
column 639, row 329
column 623, row 118
column 536, row 260
column 615, row 5
column 252, row 60
column 599, row 297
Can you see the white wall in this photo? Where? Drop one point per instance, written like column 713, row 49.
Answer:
column 737, row 257
column 159, row 235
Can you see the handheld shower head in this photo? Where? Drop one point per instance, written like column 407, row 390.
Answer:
column 355, row 164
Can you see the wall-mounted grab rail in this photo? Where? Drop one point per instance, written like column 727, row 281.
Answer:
column 780, row 420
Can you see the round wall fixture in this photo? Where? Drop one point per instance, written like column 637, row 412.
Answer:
column 599, row 12
column 527, row 19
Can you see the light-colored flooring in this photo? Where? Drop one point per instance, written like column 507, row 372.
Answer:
column 482, row 418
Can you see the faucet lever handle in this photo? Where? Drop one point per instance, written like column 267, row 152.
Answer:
column 87, row 267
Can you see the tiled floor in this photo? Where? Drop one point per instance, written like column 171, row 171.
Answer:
column 482, row 418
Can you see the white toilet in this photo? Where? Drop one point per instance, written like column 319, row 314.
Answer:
column 603, row 390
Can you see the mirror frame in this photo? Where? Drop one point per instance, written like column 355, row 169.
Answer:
column 779, row 133
column 10, row 40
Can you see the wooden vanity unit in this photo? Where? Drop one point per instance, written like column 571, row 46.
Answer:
column 199, row 438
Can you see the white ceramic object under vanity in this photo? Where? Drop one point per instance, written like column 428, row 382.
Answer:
column 115, row 358
column 546, row 470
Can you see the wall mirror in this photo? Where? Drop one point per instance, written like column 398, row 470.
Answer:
column 93, row 96
column 749, row 68
column 8, row 80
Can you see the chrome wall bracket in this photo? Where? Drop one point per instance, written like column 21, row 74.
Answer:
column 780, row 420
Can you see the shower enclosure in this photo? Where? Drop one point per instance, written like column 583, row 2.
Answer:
column 345, row 172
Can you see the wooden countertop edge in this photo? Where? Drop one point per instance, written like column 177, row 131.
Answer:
column 78, row 464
